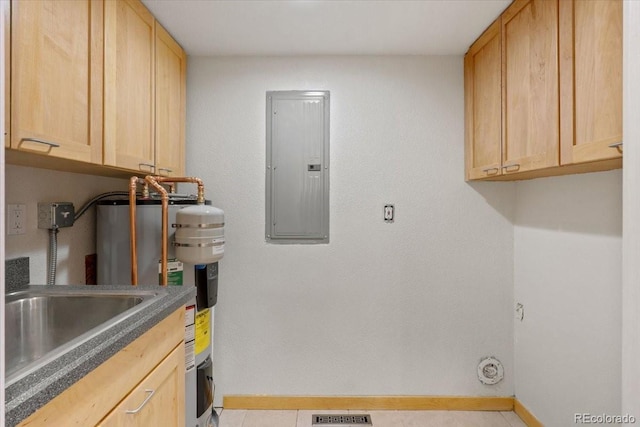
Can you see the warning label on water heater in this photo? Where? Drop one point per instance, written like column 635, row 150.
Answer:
column 203, row 337
column 174, row 272
column 189, row 337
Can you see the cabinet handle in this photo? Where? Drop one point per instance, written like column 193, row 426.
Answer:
column 488, row 171
column 617, row 146
column 152, row 167
column 139, row 408
column 513, row 165
column 167, row 170
column 40, row 141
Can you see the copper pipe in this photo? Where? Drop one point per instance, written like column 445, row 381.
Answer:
column 133, row 186
column 145, row 190
column 153, row 181
column 194, row 180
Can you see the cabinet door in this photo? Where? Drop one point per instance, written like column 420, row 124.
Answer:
column 483, row 105
column 590, row 79
column 171, row 67
column 158, row 400
column 530, row 72
column 56, row 78
column 129, row 86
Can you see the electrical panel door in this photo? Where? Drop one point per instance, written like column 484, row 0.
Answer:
column 297, row 172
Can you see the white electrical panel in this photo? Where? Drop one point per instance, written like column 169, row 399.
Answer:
column 297, row 167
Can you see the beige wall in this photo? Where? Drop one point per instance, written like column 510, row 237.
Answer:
column 567, row 275
column 384, row 309
column 29, row 186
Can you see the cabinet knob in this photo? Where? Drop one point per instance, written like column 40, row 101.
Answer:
column 167, row 170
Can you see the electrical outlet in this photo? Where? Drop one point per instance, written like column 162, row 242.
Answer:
column 16, row 219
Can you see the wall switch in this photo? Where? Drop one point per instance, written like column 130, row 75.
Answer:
column 16, row 219
column 389, row 212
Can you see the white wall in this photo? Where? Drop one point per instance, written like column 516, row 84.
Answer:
column 29, row 186
column 404, row 308
column 631, row 213
column 568, row 254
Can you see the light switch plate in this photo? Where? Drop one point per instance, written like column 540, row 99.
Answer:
column 389, row 211
column 16, row 219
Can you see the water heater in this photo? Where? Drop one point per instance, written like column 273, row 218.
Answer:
column 114, row 268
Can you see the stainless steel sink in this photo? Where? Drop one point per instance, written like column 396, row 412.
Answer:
column 43, row 324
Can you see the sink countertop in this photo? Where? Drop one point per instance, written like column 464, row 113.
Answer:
column 35, row 390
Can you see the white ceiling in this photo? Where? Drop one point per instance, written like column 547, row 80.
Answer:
column 325, row 27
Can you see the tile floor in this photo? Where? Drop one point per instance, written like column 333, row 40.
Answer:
column 243, row 418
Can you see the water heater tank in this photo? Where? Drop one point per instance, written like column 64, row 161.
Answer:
column 199, row 236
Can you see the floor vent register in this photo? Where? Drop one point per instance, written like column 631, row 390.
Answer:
column 341, row 420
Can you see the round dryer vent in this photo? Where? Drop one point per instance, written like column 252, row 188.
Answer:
column 490, row 371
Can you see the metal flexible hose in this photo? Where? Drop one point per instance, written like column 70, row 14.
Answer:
column 53, row 255
column 99, row 197
column 91, row 202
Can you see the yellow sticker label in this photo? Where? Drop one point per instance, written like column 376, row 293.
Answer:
column 203, row 323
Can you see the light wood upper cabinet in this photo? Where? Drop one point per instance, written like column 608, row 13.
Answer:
column 591, row 79
column 171, row 94
column 561, row 91
column 56, row 78
column 93, row 83
column 483, row 105
column 129, row 98
column 145, row 92
column 158, row 400
column 531, row 116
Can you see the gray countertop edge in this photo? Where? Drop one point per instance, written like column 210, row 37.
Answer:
column 38, row 388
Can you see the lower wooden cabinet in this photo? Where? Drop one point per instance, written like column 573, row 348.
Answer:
column 154, row 361
column 156, row 400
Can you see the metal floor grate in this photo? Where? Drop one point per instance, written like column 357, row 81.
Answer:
column 341, row 419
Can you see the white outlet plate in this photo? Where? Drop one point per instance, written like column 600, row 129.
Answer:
column 16, row 219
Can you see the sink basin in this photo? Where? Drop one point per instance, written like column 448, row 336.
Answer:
column 41, row 325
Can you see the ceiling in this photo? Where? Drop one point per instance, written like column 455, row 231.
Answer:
column 325, row 27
